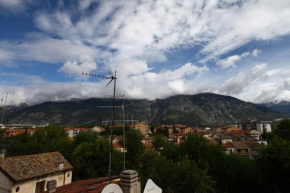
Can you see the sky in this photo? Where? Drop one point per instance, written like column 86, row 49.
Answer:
column 239, row 48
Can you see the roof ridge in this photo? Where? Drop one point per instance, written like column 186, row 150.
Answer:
column 31, row 154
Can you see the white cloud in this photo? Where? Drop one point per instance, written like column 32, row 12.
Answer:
column 228, row 62
column 138, row 28
column 15, row 6
column 256, row 52
column 237, row 84
column 87, row 64
column 231, row 60
column 45, row 49
column 4, row 55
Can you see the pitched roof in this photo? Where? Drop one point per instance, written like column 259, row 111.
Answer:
column 228, row 145
column 240, row 145
column 91, row 185
column 22, row 168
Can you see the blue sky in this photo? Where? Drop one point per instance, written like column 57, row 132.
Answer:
column 160, row 48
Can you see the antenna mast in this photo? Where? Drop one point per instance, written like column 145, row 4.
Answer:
column 123, row 108
column 113, row 78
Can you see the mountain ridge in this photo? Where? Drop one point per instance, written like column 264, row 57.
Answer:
column 201, row 109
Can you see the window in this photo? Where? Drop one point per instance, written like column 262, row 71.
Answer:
column 40, row 187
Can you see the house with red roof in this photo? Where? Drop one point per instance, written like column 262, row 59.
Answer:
column 34, row 173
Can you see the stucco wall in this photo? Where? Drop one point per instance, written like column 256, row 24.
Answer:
column 29, row 186
column 5, row 183
column 267, row 127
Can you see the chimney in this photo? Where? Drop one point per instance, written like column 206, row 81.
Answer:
column 3, row 153
column 60, row 165
column 129, row 182
column 51, row 186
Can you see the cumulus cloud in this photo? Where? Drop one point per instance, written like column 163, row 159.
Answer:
column 86, row 65
column 138, row 28
column 231, row 60
column 45, row 49
column 237, row 84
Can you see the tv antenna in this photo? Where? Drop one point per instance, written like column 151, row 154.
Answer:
column 112, row 78
column 4, row 108
column 123, row 109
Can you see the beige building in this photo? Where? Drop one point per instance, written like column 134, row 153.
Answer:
column 142, row 127
column 34, row 173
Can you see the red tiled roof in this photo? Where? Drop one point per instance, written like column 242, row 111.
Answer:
column 74, row 128
column 228, row 145
column 91, row 185
column 117, row 145
column 240, row 145
column 26, row 167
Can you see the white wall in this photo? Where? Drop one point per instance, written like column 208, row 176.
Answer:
column 29, row 186
column 267, row 127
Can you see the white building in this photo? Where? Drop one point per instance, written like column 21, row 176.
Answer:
column 257, row 125
column 33, row 173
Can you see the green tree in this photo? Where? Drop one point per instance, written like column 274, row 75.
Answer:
column 84, row 137
column 91, row 160
column 181, row 176
column 134, row 147
column 274, row 162
column 283, row 129
column 166, row 132
column 158, row 141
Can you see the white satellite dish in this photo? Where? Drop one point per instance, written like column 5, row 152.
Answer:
column 151, row 187
column 112, row 188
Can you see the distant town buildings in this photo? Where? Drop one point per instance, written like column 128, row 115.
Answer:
column 256, row 125
column 34, row 173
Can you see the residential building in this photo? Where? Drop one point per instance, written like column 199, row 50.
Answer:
column 185, row 130
column 31, row 173
column 128, row 181
column 225, row 139
column 98, row 129
column 73, row 131
column 241, row 149
column 230, row 149
column 143, row 128
column 257, row 125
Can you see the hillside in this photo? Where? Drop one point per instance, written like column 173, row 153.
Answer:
column 201, row 109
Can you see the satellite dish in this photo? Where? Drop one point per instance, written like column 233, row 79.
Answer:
column 151, row 187
column 112, row 188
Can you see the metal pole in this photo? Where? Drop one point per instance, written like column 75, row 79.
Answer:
column 111, row 144
column 132, row 120
column 124, row 132
column 4, row 108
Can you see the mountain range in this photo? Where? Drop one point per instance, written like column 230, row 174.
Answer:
column 204, row 109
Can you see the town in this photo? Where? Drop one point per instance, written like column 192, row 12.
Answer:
column 50, row 171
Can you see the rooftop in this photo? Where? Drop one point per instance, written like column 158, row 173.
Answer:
column 91, row 185
column 26, row 167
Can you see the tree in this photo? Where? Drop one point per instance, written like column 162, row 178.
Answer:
column 158, row 141
column 274, row 160
column 134, row 147
column 84, row 137
column 91, row 160
column 166, row 132
column 181, row 176
column 283, row 129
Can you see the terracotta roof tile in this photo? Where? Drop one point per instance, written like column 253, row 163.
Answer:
column 30, row 166
column 91, row 185
column 228, row 145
